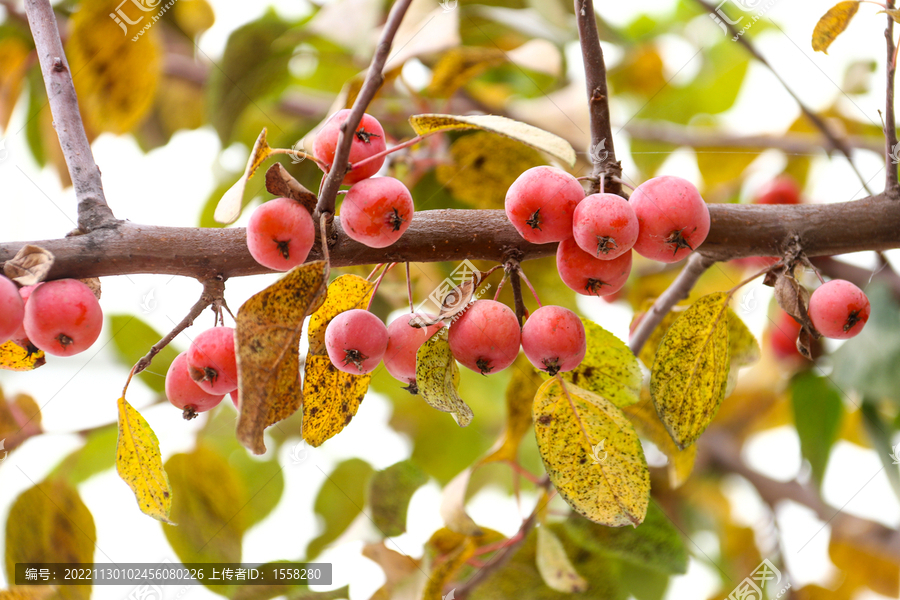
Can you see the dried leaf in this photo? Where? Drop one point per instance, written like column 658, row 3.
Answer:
column 139, row 464
column 453, row 505
column 793, row 298
column 268, row 332
column 523, row 385
column 554, row 566
column 832, row 24
column 93, row 284
column 282, row 184
column 229, row 208
column 29, row 266
column 527, row 134
column 690, row 372
column 437, row 377
column 456, row 301
column 592, row 454
column 14, row 357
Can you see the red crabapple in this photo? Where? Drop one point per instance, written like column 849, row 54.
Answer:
column 486, row 337
column 553, row 339
column 839, row 309
column 376, row 212
column 367, row 141
column 184, row 393
column 355, row 341
column 781, row 190
column 540, row 204
column 404, row 341
column 12, row 309
column 63, row 317
column 590, row 276
column 212, row 362
column 20, row 337
column 674, row 218
column 605, row 226
column 280, row 234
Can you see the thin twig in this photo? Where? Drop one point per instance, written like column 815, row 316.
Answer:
column 371, row 85
column 696, row 266
column 891, row 184
column 93, row 211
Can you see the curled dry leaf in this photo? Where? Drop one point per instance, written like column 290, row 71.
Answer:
column 229, row 208
column 29, row 266
column 94, row 284
column 455, row 302
column 282, row 184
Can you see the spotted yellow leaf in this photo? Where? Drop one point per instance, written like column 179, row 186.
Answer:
column 592, row 454
column 437, row 377
column 229, row 207
column 832, row 24
column 14, row 357
column 140, row 465
column 690, row 371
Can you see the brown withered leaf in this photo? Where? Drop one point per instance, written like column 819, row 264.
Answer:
column 268, row 338
column 29, row 266
column 282, row 184
column 456, row 301
column 94, row 284
column 793, row 298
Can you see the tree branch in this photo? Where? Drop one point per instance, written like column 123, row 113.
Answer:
column 370, row 87
column 93, row 212
column 603, row 153
column 891, row 184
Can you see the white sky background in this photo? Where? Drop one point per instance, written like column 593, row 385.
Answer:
column 167, row 187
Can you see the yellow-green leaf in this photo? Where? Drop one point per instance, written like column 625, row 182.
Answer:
column 690, row 372
column 458, row 65
column 743, row 349
column 50, row 523
column 832, row 24
column 140, row 465
column 331, row 397
column 437, row 377
column 229, row 208
column 444, row 572
column 268, row 350
column 609, row 368
column 648, row 352
column 554, row 566
column 523, row 385
column 527, row 134
column 647, row 424
column 592, row 454
column 14, row 357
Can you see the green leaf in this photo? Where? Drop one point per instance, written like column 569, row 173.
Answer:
column 139, row 463
column 880, row 431
column 390, row 491
column 818, row 411
column 133, row 340
column 340, row 499
column 527, row 134
column 655, row 544
column 643, row 583
column 554, row 565
column 609, row 368
column 97, row 455
column 832, row 24
column 592, row 454
column 50, row 523
column 437, row 376
column 690, row 371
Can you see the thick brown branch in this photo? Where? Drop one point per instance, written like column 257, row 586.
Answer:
column 891, row 186
column 603, row 153
column 370, row 87
column 93, row 212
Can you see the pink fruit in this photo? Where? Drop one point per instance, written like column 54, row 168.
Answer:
column 20, row 337
column 280, row 234
column 839, row 309
column 212, row 362
column 590, row 276
column 376, row 212
column 355, row 341
column 404, row 341
column 781, row 190
column 63, row 317
column 674, row 219
column 486, row 337
column 605, row 226
column 12, row 309
column 184, row 393
column 553, row 339
column 367, row 141
column 540, row 204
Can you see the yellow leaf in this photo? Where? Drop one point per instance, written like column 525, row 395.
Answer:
column 592, row 454
column 194, row 16
column 645, row 420
column 743, row 349
column 459, row 65
column 865, row 569
column 38, row 592
column 648, row 352
column 437, row 377
column 13, row 66
column 690, row 372
column 268, row 350
column 229, row 207
column 527, row 134
column 331, row 397
column 14, row 357
column 140, row 465
column 832, row 24
column 554, row 566
column 523, row 384
column 115, row 77
column 723, row 166
column 444, row 572
column 609, row 368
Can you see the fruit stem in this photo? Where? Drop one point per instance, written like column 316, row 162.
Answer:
column 375, row 270
column 409, row 289
column 621, row 181
column 390, row 150
column 500, row 287
column 377, row 283
column 754, row 276
column 530, row 287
